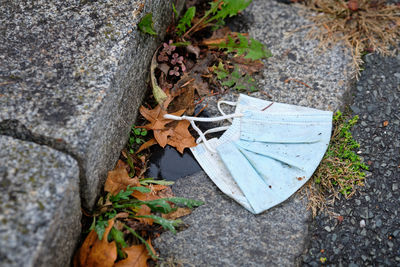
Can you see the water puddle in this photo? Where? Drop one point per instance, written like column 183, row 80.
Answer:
column 168, row 164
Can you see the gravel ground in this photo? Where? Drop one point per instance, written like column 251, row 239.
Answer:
column 369, row 234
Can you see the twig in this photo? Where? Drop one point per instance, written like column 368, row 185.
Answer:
column 298, row 81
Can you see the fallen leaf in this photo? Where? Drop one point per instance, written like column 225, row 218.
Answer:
column 159, row 95
column 95, row 252
column 247, row 65
column 146, row 145
column 185, row 100
column 144, row 210
column 180, row 212
column 118, row 179
column 385, row 123
column 193, row 50
column 181, row 137
column 121, row 165
column 157, row 187
column 220, row 34
column 154, row 194
column 137, row 257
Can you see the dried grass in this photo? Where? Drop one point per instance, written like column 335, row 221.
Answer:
column 363, row 25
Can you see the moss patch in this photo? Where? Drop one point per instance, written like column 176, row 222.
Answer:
column 340, row 172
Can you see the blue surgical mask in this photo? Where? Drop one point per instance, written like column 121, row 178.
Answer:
column 268, row 152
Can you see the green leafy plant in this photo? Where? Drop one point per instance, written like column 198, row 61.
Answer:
column 240, row 45
column 235, row 79
column 186, row 20
column 218, row 11
column 136, row 138
column 146, row 24
column 341, row 170
column 125, row 202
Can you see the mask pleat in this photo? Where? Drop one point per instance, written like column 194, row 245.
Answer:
column 252, row 185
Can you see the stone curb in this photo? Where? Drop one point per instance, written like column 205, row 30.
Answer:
column 39, row 205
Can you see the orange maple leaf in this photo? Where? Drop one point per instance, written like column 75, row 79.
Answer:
column 137, row 256
column 156, row 117
column 95, row 252
column 180, row 136
column 118, row 179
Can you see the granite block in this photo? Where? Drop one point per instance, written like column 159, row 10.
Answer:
column 72, row 76
column 39, row 205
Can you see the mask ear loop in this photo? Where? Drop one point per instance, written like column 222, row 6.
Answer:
column 201, row 134
column 221, row 128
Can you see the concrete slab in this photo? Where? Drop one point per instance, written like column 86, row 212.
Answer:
column 72, row 75
column 39, row 205
column 222, row 233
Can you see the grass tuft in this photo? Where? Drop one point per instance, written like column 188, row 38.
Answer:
column 341, row 170
column 363, row 25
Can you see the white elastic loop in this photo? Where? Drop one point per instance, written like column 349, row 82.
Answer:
column 213, row 130
column 188, row 118
column 202, row 136
column 227, row 103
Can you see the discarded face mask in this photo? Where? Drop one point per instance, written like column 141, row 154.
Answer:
column 268, row 152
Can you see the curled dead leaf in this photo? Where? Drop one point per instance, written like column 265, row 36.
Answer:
column 118, row 179
column 95, row 252
column 137, row 256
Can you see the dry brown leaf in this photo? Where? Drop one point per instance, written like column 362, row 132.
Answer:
column 156, row 117
column 220, row 34
column 144, row 210
column 156, row 193
column 247, row 65
column 180, row 212
column 95, row 252
column 121, row 165
column 148, row 144
column 137, row 257
column 181, row 137
column 158, row 122
column 157, row 187
column 118, row 179
column 185, row 101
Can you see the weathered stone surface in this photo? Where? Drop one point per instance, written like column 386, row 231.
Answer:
column 39, row 205
column 328, row 74
column 222, row 233
column 72, row 75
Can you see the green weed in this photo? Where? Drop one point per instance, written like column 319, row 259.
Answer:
column 341, row 170
column 125, row 203
column 235, row 79
column 137, row 137
column 146, row 24
column 240, row 45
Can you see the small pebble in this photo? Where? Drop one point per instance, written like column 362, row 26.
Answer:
column 362, row 223
column 395, row 187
